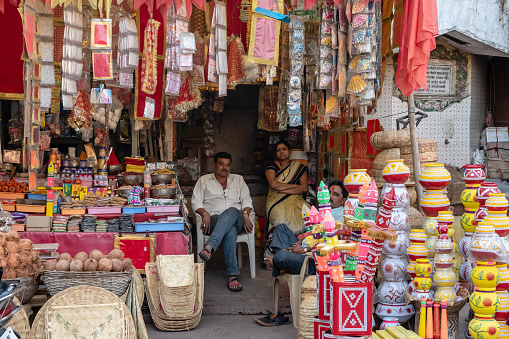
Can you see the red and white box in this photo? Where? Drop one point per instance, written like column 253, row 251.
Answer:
column 321, row 326
column 323, row 298
column 352, row 309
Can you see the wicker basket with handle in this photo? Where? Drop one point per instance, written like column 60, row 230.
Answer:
column 115, row 282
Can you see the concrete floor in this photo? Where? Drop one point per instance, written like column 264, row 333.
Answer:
column 228, row 326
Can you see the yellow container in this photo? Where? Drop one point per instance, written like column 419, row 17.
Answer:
column 467, row 197
column 485, row 274
column 484, row 327
column 484, row 301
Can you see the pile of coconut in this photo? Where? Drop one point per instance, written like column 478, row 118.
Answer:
column 95, row 261
column 17, row 256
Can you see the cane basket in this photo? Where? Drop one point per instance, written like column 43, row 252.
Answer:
column 115, row 282
column 26, row 288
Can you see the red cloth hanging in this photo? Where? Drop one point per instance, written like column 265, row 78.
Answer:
column 11, row 65
column 420, row 26
column 373, row 127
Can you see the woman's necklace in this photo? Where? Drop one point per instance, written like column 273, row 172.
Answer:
column 287, row 174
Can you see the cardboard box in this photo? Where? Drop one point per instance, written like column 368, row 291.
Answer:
column 497, row 168
column 38, row 223
column 497, row 150
column 494, row 134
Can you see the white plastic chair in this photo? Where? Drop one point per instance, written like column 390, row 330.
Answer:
column 248, row 238
column 294, row 282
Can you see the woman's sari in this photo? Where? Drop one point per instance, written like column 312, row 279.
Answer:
column 283, row 208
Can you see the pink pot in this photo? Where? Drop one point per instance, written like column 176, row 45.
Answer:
column 474, row 174
column 389, row 322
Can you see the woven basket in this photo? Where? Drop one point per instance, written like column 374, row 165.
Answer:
column 27, row 288
column 166, row 322
column 115, row 282
column 19, row 321
column 412, row 193
column 307, row 313
column 425, row 145
column 415, row 218
column 80, row 295
column 309, row 284
column 390, row 139
column 423, row 156
column 387, row 154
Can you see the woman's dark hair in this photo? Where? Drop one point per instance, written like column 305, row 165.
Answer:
column 340, row 184
column 222, row 155
column 284, row 143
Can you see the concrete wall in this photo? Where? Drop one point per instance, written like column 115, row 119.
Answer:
column 478, row 108
column 457, row 128
column 482, row 24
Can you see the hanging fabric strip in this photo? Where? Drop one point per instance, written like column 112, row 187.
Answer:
column 149, row 62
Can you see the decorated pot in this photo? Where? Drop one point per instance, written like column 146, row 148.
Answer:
column 484, row 301
column 422, row 283
column 484, row 327
column 485, row 274
column 392, row 291
column 497, row 202
column 456, row 267
column 417, row 250
column 396, row 172
column 464, row 244
column 389, row 322
column 399, row 220
column 401, row 311
column 350, row 205
column 444, row 277
column 464, row 271
column 434, row 177
column 484, row 191
column 467, row 197
column 417, row 235
column 410, row 269
column 355, row 179
column 394, row 267
column 499, row 220
column 430, row 245
column 445, row 293
column 467, row 220
column 503, row 284
column 423, row 268
column 433, row 202
column 399, row 247
column 400, row 194
column 445, row 217
column 485, row 244
column 419, row 294
column 504, row 330
column 430, row 226
column 444, row 246
column 480, row 214
column 503, row 310
column 474, row 175
column 443, row 260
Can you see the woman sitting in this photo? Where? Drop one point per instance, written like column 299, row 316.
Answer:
column 288, row 181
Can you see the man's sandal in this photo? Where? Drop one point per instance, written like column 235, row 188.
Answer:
column 234, row 284
column 273, row 320
column 205, row 255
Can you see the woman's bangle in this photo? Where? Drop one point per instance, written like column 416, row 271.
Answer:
column 204, row 213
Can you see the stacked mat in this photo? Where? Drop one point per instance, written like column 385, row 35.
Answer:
column 307, row 311
column 114, row 225
column 73, row 225
column 60, row 223
column 88, row 224
column 174, row 287
column 126, row 222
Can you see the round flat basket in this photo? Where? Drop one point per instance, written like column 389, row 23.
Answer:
column 19, row 321
column 115, row 282
column 415, row 218
column 425, row 145
column 80, row 296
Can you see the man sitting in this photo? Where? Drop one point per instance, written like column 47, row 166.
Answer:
column 224, row 203
column 288, row 257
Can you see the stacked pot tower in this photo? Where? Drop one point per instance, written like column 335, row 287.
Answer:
column 435, row 205
column 474, row 203
column 485, row 249
column 391, row 292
